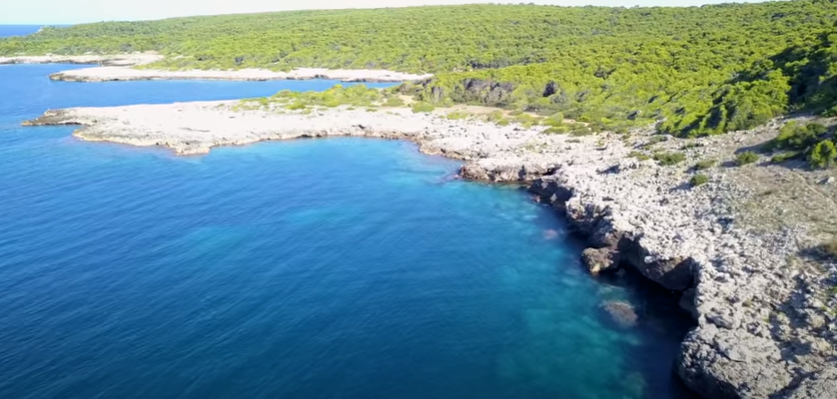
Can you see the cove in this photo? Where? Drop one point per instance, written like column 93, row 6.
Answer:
column 331, row 268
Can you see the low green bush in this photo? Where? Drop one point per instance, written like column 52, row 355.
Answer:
column 669, row 158
column 494, row 116
column 746, row 158
column 824, row 155
column 423, row 107
column 656, row 140
column 641, row 156
column 698, row 180
column 556, row 119
column 394, row 102
column 705, row 164
column 557, row 130
column 581, row 130
column 785, row 156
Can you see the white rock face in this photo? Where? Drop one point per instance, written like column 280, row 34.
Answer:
column 764, row 312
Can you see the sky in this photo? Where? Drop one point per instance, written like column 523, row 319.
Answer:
column 37, row 12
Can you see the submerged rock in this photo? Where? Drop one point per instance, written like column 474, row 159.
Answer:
column 621, row 313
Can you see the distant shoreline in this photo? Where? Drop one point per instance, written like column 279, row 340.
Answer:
column 118, row 73
column 120, row 68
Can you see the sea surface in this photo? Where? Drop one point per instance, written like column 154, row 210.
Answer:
column 332, row 268
column 18, row 30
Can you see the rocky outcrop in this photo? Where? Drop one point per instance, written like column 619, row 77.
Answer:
column 600, row 260
column 726, row 363
column 616, row 240
column 753, row 339
column 473, row 90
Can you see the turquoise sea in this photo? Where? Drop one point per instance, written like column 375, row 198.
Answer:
column 336, row 268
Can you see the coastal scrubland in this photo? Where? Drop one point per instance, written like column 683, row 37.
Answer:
column 696, row 71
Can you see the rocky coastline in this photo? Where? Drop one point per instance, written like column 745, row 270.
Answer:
column 765, row 316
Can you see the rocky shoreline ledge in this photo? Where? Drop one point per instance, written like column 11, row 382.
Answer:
column 735, row 247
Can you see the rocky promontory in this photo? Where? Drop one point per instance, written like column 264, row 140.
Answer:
column 737, row 246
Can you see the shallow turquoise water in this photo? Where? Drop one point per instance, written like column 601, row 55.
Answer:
column 339, row 268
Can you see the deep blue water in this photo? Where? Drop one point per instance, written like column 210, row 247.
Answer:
column 337, row 268
column 18, row 30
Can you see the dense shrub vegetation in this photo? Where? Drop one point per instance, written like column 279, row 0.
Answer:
column 698, row 70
